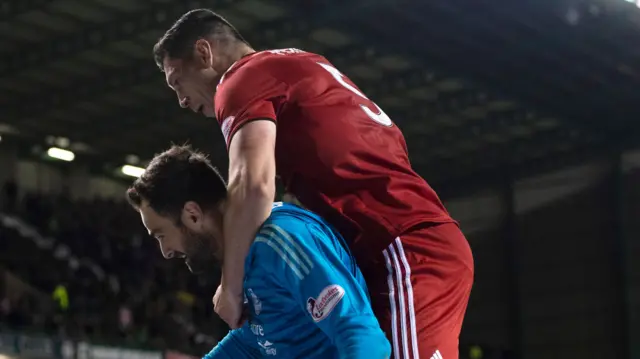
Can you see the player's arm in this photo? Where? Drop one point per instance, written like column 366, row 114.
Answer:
column 324, row 287
column 245, row 107
column 250, row 194
column 235, row 345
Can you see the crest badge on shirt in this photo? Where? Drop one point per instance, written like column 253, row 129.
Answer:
column 321, row 307
column 257, row 304
column 226, row 127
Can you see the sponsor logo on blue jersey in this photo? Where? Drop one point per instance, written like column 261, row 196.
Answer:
column 321, row 307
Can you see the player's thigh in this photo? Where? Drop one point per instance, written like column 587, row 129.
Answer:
column 438, row 349
column 414, row 341
column 422, row 301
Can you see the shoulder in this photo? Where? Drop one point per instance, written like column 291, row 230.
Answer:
column 293, row 220
column 259, row 63
column 269, row 58
column 279, row 64
column 255, row 77
column 284, row 243
column 286, row 222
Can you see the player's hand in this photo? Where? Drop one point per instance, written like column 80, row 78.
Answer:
column 229, row 307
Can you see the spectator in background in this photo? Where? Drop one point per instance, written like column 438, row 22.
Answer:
column 9, row 196
column 125, row 320
column 5, row 303
column 61, row 296
column 72, row 237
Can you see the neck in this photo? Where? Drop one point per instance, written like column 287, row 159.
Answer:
column 242, row 51
column 234, row 54
column 216, row 220
column 245, row 50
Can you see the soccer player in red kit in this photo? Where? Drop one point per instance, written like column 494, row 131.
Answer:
column 291, row 113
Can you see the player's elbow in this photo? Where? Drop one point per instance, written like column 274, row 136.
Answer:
column 368, row 347
column 376, row 346
column 363, row 342
column 250, row 187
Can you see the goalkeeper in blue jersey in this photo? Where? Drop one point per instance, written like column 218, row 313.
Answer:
column 305, row 296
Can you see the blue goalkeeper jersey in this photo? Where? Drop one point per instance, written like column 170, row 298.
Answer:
column 307, row 298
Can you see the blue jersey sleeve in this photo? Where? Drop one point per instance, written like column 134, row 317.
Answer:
column 234, row 345
column 321, row 278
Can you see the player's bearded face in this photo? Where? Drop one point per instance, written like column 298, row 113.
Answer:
column 199, row 251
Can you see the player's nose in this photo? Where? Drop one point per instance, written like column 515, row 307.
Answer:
column 167, row 253
column 184, row 102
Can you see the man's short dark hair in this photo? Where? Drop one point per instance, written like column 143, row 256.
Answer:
column 178, row 41
column 175, row 177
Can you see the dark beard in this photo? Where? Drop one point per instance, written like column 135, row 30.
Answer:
column 200, row 252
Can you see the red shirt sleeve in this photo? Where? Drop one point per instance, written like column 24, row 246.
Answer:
column 246, row 93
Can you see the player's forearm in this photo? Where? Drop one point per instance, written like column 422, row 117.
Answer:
column 230, row 347
column 250, row 194
column 217, row 353
column 249, row 204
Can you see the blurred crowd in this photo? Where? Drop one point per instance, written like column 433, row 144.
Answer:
column 92, row 273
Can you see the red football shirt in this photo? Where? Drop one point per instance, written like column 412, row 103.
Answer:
column 336, row 150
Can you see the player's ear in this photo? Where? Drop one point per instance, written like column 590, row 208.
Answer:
column 202, row 53
column 192, row 213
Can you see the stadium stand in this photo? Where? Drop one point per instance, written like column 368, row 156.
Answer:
column 119, row 287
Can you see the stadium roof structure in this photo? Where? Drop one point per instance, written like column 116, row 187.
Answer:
column 477, row 86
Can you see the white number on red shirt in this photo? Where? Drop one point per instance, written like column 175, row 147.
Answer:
column 380, row 117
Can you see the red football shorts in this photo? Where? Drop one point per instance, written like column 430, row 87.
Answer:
column 419, row 290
